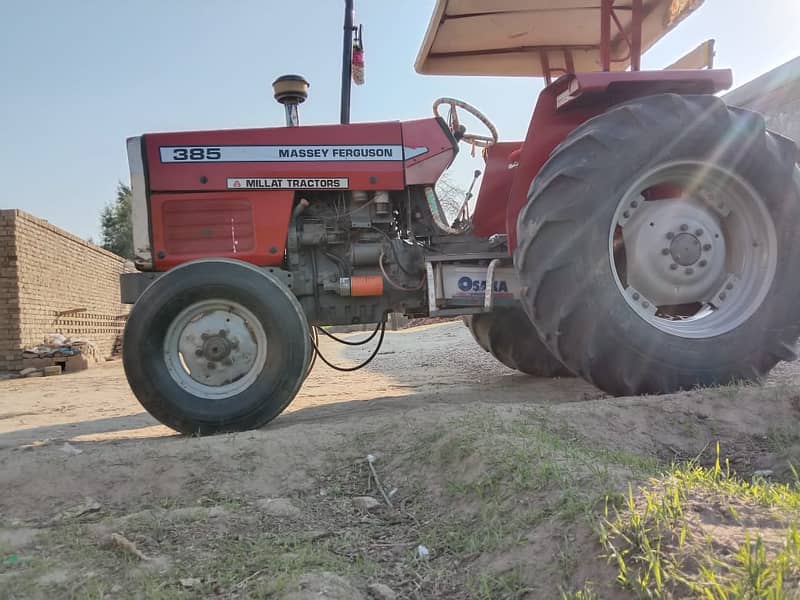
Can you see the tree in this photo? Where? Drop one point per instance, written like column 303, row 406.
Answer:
column 451, row 196
column 116, row 223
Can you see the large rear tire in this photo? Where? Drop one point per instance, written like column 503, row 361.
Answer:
column 508, row 335
column 659, row 247
column 216, row 345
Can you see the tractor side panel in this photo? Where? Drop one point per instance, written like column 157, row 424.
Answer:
column 246, row 225
column 230, row 193
column 370, row 156
column 430, row 148
column 573, row 99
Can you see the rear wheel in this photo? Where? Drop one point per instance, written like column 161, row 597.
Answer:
column 508, row 335
column 216, row 345
column 659, row 247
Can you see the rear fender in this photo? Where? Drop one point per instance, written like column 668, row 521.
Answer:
column 573, row 99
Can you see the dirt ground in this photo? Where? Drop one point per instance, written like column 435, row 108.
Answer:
column 495, row 473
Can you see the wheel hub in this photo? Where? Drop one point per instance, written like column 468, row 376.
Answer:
column 215, row 349
column 685, row 249
column 675, row 251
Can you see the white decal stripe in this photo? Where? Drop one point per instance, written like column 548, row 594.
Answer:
column 329, row 153
column 288, row 183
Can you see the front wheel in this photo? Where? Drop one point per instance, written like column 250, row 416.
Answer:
column 216, row 345
column 659, row 247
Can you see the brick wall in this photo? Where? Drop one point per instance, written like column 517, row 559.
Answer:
column 46, row 271
column 9, row 294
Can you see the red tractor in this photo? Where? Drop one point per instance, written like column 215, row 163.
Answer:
column 643, row 235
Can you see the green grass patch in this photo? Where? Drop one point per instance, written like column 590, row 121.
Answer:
column 699, row 532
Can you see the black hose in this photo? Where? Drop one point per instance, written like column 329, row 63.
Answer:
column 382, row 327
column 348, row 343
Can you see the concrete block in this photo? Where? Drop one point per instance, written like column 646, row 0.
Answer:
column 76, row 363
column 37, row 363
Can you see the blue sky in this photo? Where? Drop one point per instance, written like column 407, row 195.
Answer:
column 77, row 77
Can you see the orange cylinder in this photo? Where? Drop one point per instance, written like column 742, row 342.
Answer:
column 366, row 285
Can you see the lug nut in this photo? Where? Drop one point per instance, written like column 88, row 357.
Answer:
column 729, row 286
column 689, row 271
column 703, row 263
column 722, row 296
column 665, row 251
column 706, row 247
column 634, row 204
column 203, row 336
column 636, row 296
column 684, row 227
column 222, row 333
column 198, row 352
column 673, row 267
column 211, row 365
column 670, row 235
column 626, row 214
column 698, row 232
column 646, row 304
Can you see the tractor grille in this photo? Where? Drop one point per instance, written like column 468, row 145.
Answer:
column 208, row 226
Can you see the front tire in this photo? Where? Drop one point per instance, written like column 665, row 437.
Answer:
column 659, row 247
column 216, row 345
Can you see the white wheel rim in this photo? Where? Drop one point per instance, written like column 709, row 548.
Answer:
column 215, row 349
column 698, row 265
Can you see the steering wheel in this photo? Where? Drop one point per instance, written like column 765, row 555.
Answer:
column 458, row 130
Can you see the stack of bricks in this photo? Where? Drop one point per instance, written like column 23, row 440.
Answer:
column 46, row 271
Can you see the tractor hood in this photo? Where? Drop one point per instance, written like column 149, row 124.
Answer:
column 526, row 37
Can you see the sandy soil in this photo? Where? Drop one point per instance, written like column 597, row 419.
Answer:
column 421, row 365
column 427, row 386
